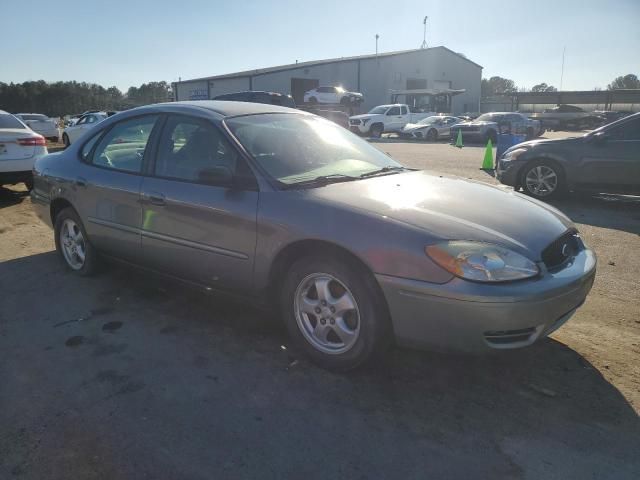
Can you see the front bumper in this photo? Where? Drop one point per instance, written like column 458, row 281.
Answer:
column 359, row 129
column 508, row 172
column 474, row 317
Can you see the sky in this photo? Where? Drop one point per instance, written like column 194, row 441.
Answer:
column 130, row 42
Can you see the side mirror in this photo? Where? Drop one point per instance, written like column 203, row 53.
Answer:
column 600, row 138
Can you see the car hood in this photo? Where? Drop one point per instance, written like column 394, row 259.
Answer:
column 451, row 208
column 410, row 127
column 475, row 124
column 364, row 116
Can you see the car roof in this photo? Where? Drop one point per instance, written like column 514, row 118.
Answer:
column 227, row 108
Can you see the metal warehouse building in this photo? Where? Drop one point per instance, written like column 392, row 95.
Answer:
column 375, row 76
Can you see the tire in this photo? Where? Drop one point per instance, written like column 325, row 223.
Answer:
column 491, row 135
column 313, row 100
column 29, row 183
column 65, row 140
column 432, row 135
column 375, row 131
column 534, row 171
column 68, row 221
column 331, row 341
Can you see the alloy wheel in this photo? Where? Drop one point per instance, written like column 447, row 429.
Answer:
column 541, row 180
column 327, row 313
column 73, row 244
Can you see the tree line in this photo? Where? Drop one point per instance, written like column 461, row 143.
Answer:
column 503, row 86
column 64, row 98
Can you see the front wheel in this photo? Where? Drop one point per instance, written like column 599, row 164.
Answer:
column 376, row 130
column 72, row 243
column 334, row 312
column 543, row 180
column 432, row 135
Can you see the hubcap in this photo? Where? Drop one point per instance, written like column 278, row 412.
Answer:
column 541, row 180
column 72, row 243
column 327, row 313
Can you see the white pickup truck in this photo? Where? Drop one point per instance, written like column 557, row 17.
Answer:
column 385, row 118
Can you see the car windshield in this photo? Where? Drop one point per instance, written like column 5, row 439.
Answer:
column 40, row 118
column 488, row 117
column 9, row 121
column 379, row 110
column 294, row 148
column 429, row 120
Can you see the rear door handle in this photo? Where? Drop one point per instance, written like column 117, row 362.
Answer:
column 156, row 198
column 81, row 182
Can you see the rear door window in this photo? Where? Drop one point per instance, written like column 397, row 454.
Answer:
column 9, row 121
column 124, row 145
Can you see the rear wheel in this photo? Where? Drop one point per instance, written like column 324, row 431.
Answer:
column 334, row 312
column 72, row 243
column 65, row 140
column 543, row 180
column 28, row 182
column 313, row 100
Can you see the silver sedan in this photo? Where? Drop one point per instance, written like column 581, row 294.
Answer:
column 430, row 128
column 355, row 250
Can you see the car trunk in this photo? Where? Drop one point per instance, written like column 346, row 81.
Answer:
column 10, row 149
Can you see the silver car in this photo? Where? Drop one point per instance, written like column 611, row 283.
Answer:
column 430, row 128
column 355, row 250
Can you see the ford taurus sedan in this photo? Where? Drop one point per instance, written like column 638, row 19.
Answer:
column 356, row 250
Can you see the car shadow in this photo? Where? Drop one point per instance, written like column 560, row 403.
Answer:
column 222, row 365
column 12, row 196
column 617, row 212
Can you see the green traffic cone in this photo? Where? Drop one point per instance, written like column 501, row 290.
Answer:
column 459, row 139
column 487, row 163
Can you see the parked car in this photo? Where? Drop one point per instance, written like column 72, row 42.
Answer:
column 487, row 126
column 87, row 121
column 20, row 147
column 354, row 249
column 604, row 160
column 385, row 118
column 430, row 128
column 333, row 95
column 273, row 98
column 568, row 117
column 45, row 126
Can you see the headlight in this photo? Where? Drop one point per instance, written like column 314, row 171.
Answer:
column 481, row 262
column 364, row 122
column 513, row 154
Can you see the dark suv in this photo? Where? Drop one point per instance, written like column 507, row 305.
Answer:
column 604, row 160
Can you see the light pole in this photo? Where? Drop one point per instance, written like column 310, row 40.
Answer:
column 377, row 37
column 424, row 33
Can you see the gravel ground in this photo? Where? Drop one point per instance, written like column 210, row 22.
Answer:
column 125, row 375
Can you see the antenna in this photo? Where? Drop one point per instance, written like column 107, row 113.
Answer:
column 424, row 33
column 377, row 37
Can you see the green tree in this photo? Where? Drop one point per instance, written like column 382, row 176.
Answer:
column 627, row 81
column 543, row 87
column 497, row 86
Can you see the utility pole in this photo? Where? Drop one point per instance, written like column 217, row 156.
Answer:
column 377, row 37
column 424, row 33
column 562, row 71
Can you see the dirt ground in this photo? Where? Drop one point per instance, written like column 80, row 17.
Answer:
column 124, row 375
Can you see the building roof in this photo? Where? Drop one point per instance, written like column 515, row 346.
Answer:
column 292, row 66
column 225, row 108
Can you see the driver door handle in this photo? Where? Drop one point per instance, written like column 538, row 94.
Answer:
column 81, row 182
column 155, row 198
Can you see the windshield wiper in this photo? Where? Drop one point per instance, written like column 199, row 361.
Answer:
column 321, row 180
column 383, row 171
